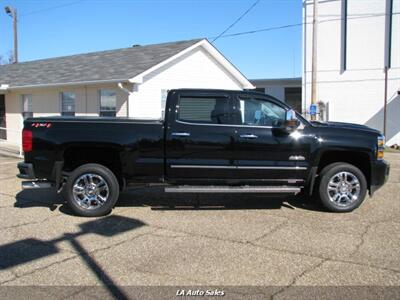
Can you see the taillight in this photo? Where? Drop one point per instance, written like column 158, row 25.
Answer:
column 26, row 140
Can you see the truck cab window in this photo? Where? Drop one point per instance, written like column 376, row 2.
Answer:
column 257, row 112
column 208, row 110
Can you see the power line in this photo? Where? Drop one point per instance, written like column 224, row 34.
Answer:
column 51, row 8
column 296, row 25
column 237, row 20
column 260, row 30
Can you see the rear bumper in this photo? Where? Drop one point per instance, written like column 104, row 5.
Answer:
column 25, row 171
column 379, row 174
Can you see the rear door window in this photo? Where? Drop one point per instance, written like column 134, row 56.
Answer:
column 204, row 110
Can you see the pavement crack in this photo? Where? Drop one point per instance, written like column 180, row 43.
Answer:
column 365, row 232
column 17, row 276
column 296, row 278
column 275, row 229
column 30, row 223
column 77, row 255
column 250, row 243
column 362, row 239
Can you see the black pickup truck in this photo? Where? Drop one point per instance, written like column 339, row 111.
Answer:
column 210, row 141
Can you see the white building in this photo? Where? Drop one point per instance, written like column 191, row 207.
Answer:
column 129, row 82
column 356, row 39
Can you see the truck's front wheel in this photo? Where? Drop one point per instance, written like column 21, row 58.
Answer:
column 342, row 187
column 92, row 190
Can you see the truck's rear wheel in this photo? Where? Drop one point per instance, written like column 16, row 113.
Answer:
column 342, row 187
column 92, row 190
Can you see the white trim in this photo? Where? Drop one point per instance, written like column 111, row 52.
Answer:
column 5, row 86
column 245, row 83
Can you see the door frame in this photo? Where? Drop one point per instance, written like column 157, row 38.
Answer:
column 172, row 121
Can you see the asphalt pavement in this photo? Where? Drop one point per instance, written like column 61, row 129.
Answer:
column 159, row 245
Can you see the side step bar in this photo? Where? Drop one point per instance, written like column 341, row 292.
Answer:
column 233, row 189
column 27, row 185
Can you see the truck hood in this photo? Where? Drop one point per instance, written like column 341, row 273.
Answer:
column 342, row 125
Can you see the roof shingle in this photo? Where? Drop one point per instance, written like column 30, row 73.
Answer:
column 119, row 64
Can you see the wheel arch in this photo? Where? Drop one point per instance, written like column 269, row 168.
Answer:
column 360, row 159
column 108, row 156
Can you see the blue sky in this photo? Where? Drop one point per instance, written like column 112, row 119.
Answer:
column 93, row 25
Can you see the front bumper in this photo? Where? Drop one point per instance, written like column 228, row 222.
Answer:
column 379, row 174
column 25, row 171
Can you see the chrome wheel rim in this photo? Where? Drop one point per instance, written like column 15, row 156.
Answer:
column 90, row 191
column 344, row 189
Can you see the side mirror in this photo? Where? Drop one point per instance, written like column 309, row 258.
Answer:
column 291, row 121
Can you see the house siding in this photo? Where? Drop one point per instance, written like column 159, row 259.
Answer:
column 195, row 69
column 46, row 102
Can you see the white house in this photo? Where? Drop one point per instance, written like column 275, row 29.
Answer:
column 356, row 40
column 130, row 82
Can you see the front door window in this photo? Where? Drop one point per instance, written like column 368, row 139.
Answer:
column 258, row 112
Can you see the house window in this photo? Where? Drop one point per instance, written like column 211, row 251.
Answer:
column 67, row 104
column 27, row 106
column 108, row 103
column 164, row 94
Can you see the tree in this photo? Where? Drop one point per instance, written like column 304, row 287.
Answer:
column 7, row 58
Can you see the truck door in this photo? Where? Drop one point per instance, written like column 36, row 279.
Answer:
column 199, row 136
column 261, row 150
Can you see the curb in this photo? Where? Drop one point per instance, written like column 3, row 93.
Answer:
column 9, row 154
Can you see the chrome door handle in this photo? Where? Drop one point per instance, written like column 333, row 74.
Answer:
column 248, row 136
column 180, row 134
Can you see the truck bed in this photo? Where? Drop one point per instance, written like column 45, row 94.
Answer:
column 139, row 142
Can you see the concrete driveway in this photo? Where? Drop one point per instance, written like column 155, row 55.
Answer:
column 242, row 246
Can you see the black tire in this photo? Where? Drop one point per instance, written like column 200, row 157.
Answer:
column 327, row 174
column 99, row 172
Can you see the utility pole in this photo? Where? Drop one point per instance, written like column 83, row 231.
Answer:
column 314, row 58
column 12, row 12
column 385, row 102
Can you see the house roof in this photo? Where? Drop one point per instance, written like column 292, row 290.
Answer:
column 276, row 81
column 104, row 66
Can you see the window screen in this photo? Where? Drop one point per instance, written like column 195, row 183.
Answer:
column 67, row 104
column 108, row 103
column 213, row 110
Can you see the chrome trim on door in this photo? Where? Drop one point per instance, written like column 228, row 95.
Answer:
column 297, row 157
column 272, row 168
column 201, row 167
column 248, row 136
column 237, row 167
column 180, row 134
column 225, row 125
